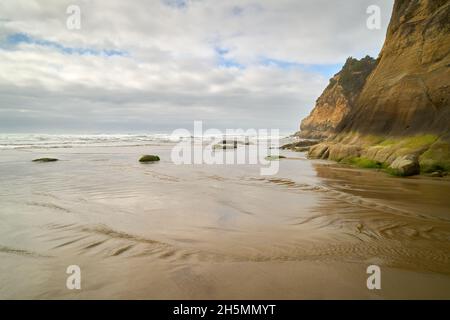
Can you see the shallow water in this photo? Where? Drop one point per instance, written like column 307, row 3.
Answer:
column 160, row 230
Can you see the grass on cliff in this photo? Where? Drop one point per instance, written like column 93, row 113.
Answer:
column 437, row 158
column 414, row 142
column 361, row 162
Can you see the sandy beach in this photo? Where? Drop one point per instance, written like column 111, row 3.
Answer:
column 166, row 231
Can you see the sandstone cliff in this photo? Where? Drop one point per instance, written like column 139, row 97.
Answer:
column 409, row 90
column 338, row 99
column 402, row 111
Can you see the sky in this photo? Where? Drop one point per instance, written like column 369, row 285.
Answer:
column 155, row 66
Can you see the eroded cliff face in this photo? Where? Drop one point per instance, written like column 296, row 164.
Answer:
column 403, row 108
column 337, row 100
column 409, row 90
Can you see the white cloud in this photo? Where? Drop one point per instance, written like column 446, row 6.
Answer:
column 205, row 60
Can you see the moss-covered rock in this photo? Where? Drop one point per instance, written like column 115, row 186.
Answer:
column 272, row 157
column 405, row 166
column 361, row 162
column 436, row 158
column 149, row 158
column 430, row 152
column 45, row 160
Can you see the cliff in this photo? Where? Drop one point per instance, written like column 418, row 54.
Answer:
column 402, row 109
column 338, row 99
column 408, row 92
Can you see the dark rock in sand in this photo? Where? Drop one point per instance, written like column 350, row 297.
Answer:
column 149, row 158
column 359, row 227
column 270, row 158
column 229, row 141
column 45, row 160
column 225, row 146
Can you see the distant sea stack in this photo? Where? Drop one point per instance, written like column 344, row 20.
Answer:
column 397, row 105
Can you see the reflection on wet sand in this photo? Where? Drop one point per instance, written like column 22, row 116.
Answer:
column 167, row 231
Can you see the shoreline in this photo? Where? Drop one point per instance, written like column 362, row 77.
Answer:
column 146, row 231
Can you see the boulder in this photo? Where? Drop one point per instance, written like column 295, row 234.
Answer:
column 405, row 165
column 436, row 174
column 149, row 158
column 340, row 151
column 318, row 151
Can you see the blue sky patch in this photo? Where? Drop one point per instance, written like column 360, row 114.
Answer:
column 223, row 61
column 327, row 70
column 180, row 4
column 18, row 38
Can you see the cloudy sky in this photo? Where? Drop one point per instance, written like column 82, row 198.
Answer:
column 152, row 66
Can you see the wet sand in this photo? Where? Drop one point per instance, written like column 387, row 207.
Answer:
column 162, row 231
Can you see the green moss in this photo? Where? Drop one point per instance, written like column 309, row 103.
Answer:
column 363, row 163
column 45, row 160
column 394, row 172
column 436, row 158
column 419, row 141
column 149, row 158
column 414, row 142
column 372, row 139
column 387, row 142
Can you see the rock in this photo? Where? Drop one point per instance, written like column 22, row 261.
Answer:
column 437, row 157
column 271, row 158
column 340, row 151
column 359, row 227
column 225, row 141
column 317, row 151
column 337, row 100
column 326, row 154
column 225, row 146
column 149, row 158
column 45, row 160
column 407, row 93
column 299, row 144
column 436, row 174
column 404, row 93
column 405, row 166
